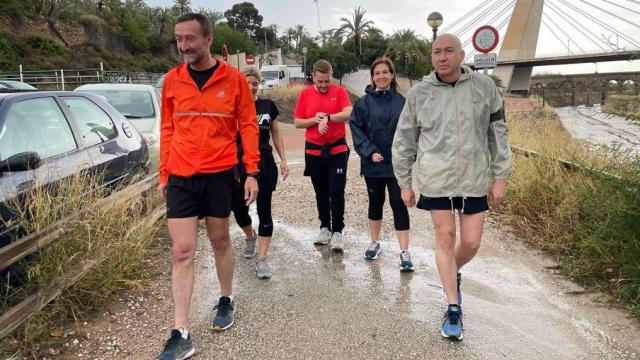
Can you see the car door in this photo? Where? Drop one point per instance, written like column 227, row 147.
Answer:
column 99, row 136
column 37, row 125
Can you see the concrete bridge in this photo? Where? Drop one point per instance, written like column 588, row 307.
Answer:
column 583, row 89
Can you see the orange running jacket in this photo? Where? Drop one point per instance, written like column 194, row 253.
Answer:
column 199, row 127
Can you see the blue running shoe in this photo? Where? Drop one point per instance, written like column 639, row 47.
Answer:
column 373, row 251
column 459, row 292
column 224, row 316
column 452, row 325
column 405, row 262
column 177, row 347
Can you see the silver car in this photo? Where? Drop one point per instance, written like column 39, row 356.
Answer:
column 138, row 103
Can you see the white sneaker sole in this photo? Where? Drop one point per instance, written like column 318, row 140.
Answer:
column 451, row 337
column 189, row 354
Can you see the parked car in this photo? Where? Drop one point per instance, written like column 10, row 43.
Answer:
column 11, row 84
column 159, row 84
column 48, row 136
column 138, row 103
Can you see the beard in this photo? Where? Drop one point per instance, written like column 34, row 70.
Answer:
column 192, row 56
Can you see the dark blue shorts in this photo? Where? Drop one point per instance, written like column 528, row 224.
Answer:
column 472, row 205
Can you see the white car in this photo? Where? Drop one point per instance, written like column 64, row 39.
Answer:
column 138, row 103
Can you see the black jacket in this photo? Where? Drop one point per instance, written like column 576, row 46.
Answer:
column 373, row 123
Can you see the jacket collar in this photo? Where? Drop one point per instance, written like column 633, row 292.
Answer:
column 183, row 73
column 371, row 90
column 433, row 79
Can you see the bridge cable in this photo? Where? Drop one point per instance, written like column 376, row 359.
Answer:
column 554, row 34
column 620, row 6
column 570, row 21
column 558, row 8
column 563, row 32
column 634, row 1
column 476, row 21
column 599, row 22
column 612, row 14
column 492, row 20
column 461, row 18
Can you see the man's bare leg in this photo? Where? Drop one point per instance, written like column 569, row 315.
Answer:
column 183, row 233
column 218, row 231
column 445, row 227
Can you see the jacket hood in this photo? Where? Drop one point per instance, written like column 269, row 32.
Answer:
column 371, row 90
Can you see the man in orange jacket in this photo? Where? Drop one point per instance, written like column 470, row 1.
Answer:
column 205, row 103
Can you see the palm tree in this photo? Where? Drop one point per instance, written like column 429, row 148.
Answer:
column 329, row 37
column 356, row 27
column 182, row 6
column 404, row 49
column 290, row 35
column 300, row 34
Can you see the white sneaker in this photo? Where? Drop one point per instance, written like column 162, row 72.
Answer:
column 324, row 237
column 337, row 243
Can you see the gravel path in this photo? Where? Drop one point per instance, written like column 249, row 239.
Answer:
column 322, row 305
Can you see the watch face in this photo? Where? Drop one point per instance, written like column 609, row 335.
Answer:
column 485, row 38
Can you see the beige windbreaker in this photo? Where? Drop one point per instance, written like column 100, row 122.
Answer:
column 456, row 134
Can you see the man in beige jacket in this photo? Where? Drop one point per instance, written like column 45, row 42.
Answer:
column 453, row 126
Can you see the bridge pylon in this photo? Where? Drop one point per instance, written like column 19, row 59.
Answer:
column 520, row 42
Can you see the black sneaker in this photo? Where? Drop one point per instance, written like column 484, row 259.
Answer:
column 224, row 314
column 459, row 278
column 177, row 347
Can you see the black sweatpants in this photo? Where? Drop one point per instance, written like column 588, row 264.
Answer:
column 375, row 189
column 329, row 178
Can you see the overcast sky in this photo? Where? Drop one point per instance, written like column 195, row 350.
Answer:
column 392, row 15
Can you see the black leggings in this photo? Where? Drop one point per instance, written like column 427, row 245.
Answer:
column 241, row 211
column 375, row 189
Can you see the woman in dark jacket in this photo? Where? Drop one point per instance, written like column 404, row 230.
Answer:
column 373, row 123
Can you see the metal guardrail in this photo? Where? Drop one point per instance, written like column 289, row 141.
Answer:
column 31, row 243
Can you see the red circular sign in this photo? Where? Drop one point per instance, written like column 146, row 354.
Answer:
column 250, row 59
column 485, row 38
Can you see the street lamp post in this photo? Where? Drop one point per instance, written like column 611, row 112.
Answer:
column 434, row 20
column 304, row 61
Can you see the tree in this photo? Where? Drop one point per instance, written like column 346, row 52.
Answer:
column 244, row 17
column 358, row 27
column 409, row 53
column 374, row 46
column 329, row 37
column 182, row 6
column 343, row 62
column 300, row 35
column 236, row 41
column 268, row 37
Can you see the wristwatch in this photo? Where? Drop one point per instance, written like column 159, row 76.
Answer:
column 328, row 117
column 253, row 174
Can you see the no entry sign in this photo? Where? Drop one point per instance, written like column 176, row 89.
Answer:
column 485, row 38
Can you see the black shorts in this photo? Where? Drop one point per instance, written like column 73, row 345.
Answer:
column 200, row 195
column 472, row 205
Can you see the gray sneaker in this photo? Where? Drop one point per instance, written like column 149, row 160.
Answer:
column 250, row 247
column 337, row 244
column 177, row 348
column 263, row 269
column 324, row 237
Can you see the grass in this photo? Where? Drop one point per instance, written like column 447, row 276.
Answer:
column 627, row 105
column 590, row 222
column 285, row 99
column 117, row 236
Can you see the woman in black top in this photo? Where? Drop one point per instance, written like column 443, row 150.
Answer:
column 267, row 113
column 373, row 123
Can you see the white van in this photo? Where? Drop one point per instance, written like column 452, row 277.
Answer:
column 274, row 76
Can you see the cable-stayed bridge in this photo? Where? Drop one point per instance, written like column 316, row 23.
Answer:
column 589, row 30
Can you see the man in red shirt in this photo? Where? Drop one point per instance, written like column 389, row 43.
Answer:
column 323, row 109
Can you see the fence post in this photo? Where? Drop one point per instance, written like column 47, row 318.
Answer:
column 21, row 78
column 57, row 82
column 62, row 78
column 101, row 79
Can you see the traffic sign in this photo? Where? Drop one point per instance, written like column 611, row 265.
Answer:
column 250, row 59
column 485, row 38
column 485, row 61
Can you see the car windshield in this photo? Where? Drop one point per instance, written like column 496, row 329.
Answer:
column 133, row 104
column 269, row 75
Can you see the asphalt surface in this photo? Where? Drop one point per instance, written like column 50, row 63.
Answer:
column 321, row 305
